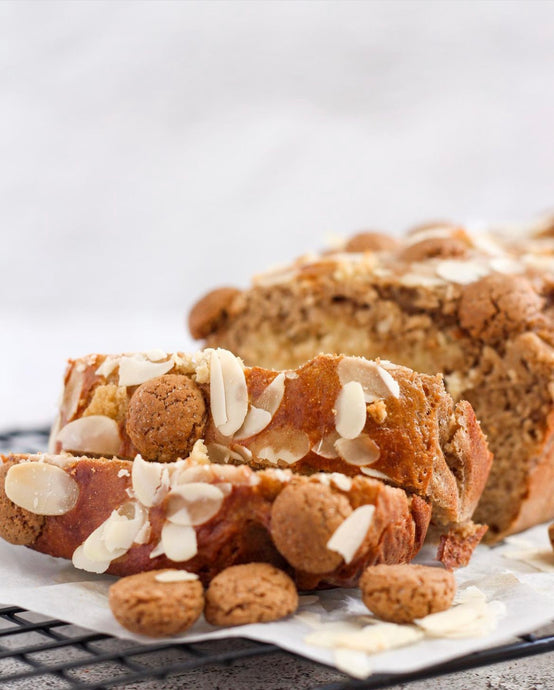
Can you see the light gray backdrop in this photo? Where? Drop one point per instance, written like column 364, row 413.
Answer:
column 152, row 150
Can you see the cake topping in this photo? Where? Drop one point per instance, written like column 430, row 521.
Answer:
column 350, row 410
column 93, row 434
column 41, row 488
column 361, row 450
column 350, row 534
column 228, row 392
column 165, row 418
column 194, row 503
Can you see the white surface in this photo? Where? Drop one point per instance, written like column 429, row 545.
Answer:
column 52, row 586
column 153, row 150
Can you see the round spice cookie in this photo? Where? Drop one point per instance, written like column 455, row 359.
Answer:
column 250, row 593
column 166, row 416
column 17, row 525
column 158, row 602
column 402, row 593
column 303, row 519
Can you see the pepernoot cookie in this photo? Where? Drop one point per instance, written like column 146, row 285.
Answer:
column 250, row 593
column 402, row 593
column 166, row 416
column 303, row 519
column 157, row 603
column 17, row 525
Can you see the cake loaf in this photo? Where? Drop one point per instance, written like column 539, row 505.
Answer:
column 125, row 517
column 476, row 307
column 332, row 414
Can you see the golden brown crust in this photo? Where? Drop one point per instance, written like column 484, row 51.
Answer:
column 145, row 605
column 17, row 525
column 207, row 314
column 303, row 519
column 404, row 429
column 166, row 416
column 239, row 532
column 250, row 593
column 402, row 593
column 551, row 534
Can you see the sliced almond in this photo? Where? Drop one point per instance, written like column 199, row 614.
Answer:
column 350, row 410
column 326, row 447
column 350, row 534
column 356, row 664
column 41, row 488
column 370, row 472
column 256, row 421
column 136, row 370
column 287, row 446
column 150, row 481
column 272, row 396
column 109, row 364
column 228, row 392
column 358, row 451
column 81, row 562
column 114, row 536
column 179, row 542
column 72, row 393
column 194, row 503
column 378, row 638
column 461, row 272
column 94, row 434
column 341, row 481
column 377, row 383
column 175, row 576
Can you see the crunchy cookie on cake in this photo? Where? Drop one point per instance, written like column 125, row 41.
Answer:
column 332, row 414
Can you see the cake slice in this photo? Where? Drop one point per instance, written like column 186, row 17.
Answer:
column 476, row 307
column 332, row 414
column 125, row 517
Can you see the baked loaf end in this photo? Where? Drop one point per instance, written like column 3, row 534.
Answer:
column 124, row 517
column 334, row 414
column 476, row 307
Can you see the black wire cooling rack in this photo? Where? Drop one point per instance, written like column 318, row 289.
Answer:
column 37, row 652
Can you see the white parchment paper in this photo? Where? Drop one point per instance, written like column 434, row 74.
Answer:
column 53, row 587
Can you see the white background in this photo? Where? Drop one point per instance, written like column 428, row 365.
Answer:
column 150, row 151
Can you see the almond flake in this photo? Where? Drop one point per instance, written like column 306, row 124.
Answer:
column 114, row 536
column 256, row 421
column 94, row 434
column 377, row 383
column 179, row 542
column 358, row 451
column 356, row 664
column 350, row 534
column 286, row 447
column 326, row 446
column 109, row 364
column 341, row 481
column 81, row 562
column 72, row 393
column 175, row 576
column 194, row 503
column 370, row 472
column 41, row 488
column 155, row 355
column 228, row 392
column 150, row 481
column 271, row 397
column 460, row 271
column 379, row 637
column 350, row 410
column 135, row 370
